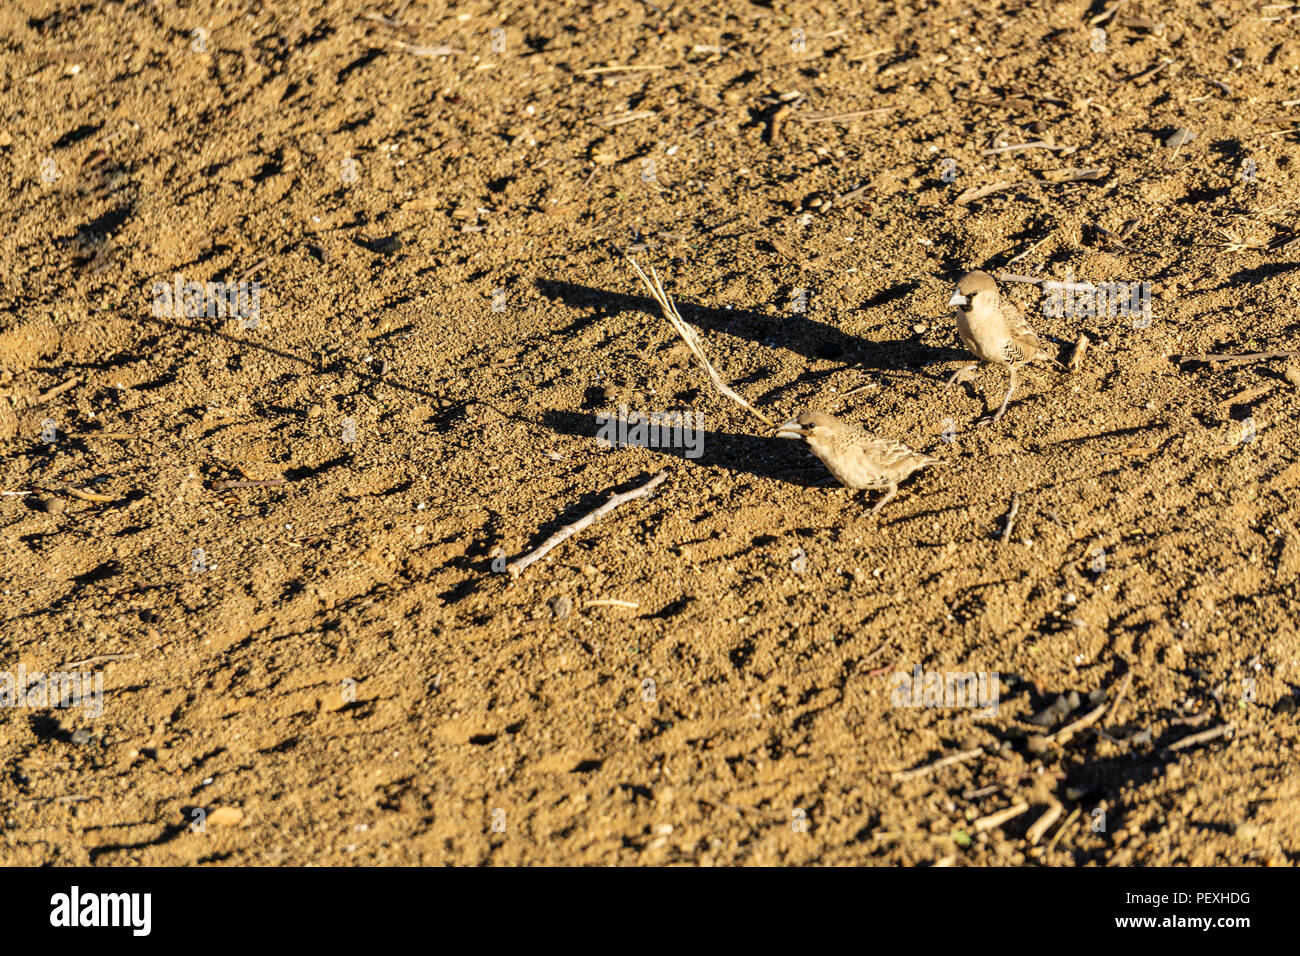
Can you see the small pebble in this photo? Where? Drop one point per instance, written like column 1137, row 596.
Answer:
column 1245, row 831
column 1179, row 136
column 562, row 607
column 52, row 506
column 81, row 737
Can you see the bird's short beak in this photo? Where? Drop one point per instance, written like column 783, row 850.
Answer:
column 958, row 299
column 791, row 429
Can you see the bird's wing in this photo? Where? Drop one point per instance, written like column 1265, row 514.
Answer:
column 1024, row 345
column 893, row 458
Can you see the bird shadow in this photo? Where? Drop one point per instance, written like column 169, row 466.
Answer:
column 758, row 455
column 796, row 331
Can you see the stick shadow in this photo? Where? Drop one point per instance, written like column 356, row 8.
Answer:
column 758, row 455
column 796, row 331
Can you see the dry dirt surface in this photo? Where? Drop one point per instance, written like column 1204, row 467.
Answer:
column 324, row 661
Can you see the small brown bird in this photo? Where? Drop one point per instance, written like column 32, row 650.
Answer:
column 994, row 330
column 855, row 457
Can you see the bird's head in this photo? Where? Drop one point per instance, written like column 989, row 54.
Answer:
column 974, row 290
column 810, row 426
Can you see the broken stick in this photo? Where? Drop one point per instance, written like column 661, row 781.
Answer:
column 517, row 566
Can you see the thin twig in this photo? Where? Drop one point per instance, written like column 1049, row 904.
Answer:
column 1069, row 821
column 253, row 268
column 1203, row 737
column 1038, row 829
column 1036, row 144
column 999, row 818
column 1150, row 72
column 417, row 50
column 1017, row 258
column 843, row 117
column 1011, row 516
column 89, row 495
column 100, row 659
column 609, row 122
column 517, row 566
column 948, row 761
column 57, row 390
column 1087, row 720
column 1120, row 694
column 618, row 69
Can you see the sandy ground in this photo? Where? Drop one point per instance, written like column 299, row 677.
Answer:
column 436, row 203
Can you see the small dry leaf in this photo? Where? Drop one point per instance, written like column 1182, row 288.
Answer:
column 89, row 495
column 225, row 817
column 1080, row 350
column 979, row 192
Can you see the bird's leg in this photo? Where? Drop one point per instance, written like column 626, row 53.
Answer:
column 893, row 490
column 962, row 374
column 1001, row 411
column 1006, row 398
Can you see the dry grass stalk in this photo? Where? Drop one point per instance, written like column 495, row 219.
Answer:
column 692, row 340
column 1235, row 243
